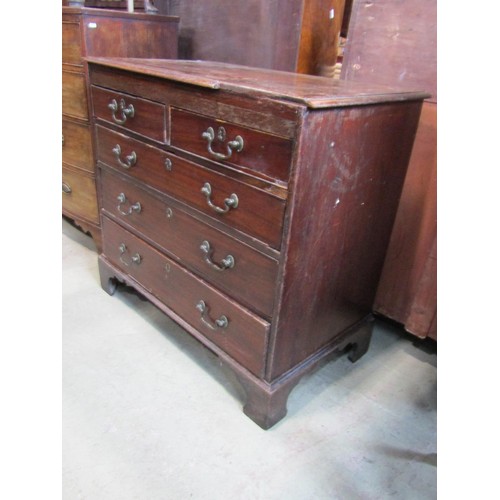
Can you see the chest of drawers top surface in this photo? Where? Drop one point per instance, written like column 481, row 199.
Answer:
column 312, row 91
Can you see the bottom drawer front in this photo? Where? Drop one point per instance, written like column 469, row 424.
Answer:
column 79, row 195
column 240, row 333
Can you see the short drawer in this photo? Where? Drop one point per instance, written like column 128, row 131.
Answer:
column 255, row 212
column 77, row 145
column 242, row 147
column 232, row 266
column 79, row 195
column 74, row 95
column 71, row 41
column 144, row 117
column 236, row 330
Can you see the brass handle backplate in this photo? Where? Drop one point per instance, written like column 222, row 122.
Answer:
column 124, row 111
column 130, row 160
column 219, row 323
column 231, row 202
column 226, row 263
column 235, row 145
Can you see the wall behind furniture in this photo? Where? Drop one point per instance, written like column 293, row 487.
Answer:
column 290, row 35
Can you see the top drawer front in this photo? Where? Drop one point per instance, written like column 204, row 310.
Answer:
column 147, row 118
column 233, row 144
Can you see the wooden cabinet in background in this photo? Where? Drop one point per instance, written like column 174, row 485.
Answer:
column 393, row 42
column 289, row 35
column 98, row 32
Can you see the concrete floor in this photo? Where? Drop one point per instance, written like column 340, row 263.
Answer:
column 150, row 414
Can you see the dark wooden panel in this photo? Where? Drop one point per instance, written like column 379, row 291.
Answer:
column 404, row 273
column 249, row 32
column 393, row 42
column 340, row 227
column 130, row 35
column 290, row 35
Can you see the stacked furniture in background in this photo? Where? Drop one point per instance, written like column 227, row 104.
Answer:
column 290, row 35
column 98, row 32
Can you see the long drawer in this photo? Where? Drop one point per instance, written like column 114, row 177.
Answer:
column 235, row 203
column 79, row 194
column 236, row 330
column 236, row 268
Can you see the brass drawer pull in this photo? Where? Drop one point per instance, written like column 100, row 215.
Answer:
column 130, row 160
column 226, row 263
column 231, row 202
column 66, row 188
column 136, row 207
column 135, row 259
column 126, row 111
column 221, row 322
column 235, row 145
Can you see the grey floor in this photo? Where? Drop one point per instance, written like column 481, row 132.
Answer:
column 149, row 414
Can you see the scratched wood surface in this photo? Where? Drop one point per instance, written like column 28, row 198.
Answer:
column 313, row 91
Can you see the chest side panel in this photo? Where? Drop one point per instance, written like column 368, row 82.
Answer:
column 350, row 170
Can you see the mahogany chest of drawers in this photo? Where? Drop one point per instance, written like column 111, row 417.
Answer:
column 98, row 32
column 253, row 207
